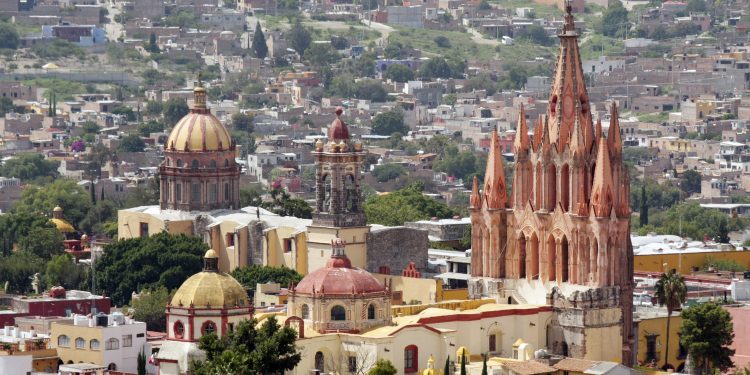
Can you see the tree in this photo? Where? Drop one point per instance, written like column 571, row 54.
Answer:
column 29, row 166
column 63, row 271
column 400, row 206
column 243, row 122
column 146, row 128
column 149, row 308
column 253, row 275
column 670, row 292
column 61, row 192
column 439, row 67
column 442, row 41
column 90, row 127
column 154, row 107
column 463, row 363
column 383, row 367
column 387, row 172
column 128, row 112
column 43, row 242
column 250, row 350
column 321, row 54
column 536, row 34
column 132, row 143
column 141, row 366
column 9, row 37
column 299, row 37
column 484, row 5
column 484, row 364
column 152, row 46
column 6, row 106
column 644, row 207
column 15, row 226
column 283, row 204
column 614, row 20
column 18, row 270
column 371, row 89
column 723, row 236
column 695, row 6
column 135, row 264
column 174, row 110
column 387, row 123
column 446, row 368
column 259, row 42
column 690, row 182
column 399, row 73
column 251, row 196
column 707, row 332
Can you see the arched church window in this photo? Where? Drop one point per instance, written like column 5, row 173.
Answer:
column 350, row 194
column 371, row 311
column 208, row 328
column 195, row 164
column 226, row 163
column 226, row 191
column 179, row 329
column 327, row 193
column 338, row 313
column 320, row 362
column 305, row 312
column 179, row 163
column 213, row 164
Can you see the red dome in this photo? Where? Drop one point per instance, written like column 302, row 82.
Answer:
column 339, row 277
column 338, row 129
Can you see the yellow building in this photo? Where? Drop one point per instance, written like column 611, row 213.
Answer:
column 652, row 340
column 111, row 340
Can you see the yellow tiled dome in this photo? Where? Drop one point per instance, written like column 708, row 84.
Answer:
column 199, row 131
column 62, row 225
column 211, row 289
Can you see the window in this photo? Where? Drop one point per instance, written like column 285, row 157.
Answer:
column 385, row 270
column 305, row 312
column 94, row 344
column 320, row 362
column 127, row 341
column 179, row 329
column 63, row 341
column 226, row 191
column 651, row 348
column 179, row 163
column 208, row 328
column 226, row 163
column 287, row 245
column 213, row 164
column 230, row 327
column 196, row 193
column 229, row 239
column 371, row 311
column 338, row 313
column 113, row 344
column 411, row 359
column 195, row 164
column 80, row 343
column 493, row 343
column 140, row 335
column 144, row 230
column 213, row 193
column 352, row 363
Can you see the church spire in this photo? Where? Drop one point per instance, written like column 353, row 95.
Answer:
column 577, row 141
column 537, row 133
column 602, row 191
column 475, row 200
column 521, row 143
column 614, row 139
column 494, row 177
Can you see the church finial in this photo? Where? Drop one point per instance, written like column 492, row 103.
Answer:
column 475, row 200
column 522, row 133
column 494, row 177
column 614, row 139
column 602, row 191
column 199, row 94
column 570, row 25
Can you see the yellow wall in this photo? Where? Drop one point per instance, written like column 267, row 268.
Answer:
column 404, row 310
column 422, row 290
column 319, row 245
column 70, row 353
column 658, row 325
column 684, row 262
column 129, row 224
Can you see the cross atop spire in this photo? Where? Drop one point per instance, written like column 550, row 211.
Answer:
column 569, row 26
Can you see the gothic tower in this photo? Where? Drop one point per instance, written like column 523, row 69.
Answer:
column 566, row 240
column 339, row 211
column 199, row 171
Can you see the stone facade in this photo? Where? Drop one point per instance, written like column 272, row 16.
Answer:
column 391, row 249
column 563, row 233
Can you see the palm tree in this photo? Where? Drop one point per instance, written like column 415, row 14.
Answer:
column 670, row 292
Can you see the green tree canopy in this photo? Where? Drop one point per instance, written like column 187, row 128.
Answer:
column 670, row 292
column 283, row 204
column 16, row 226
column 387, row 172
column 243, row 122
column 387, row 123
column 9, row 37
column 439, row 67
column 536, row 34
column 18, row 270
column 149, row 308
column 253, row 275
column 152, row 126
column 63, row 271
column 698, row 6
column 136, row 264
column 128, row 112
column 260, row 48
column 371, row 89
column 43, row 242
column 690, row 182
column 174, row 110
column 321, row 54
column 299, row 38
column 707, row 332
column 400, row 206
column 29, row 166
column 132, row 143
column 62, row 192
column 250, row 350
column 383, row 367
column 399, row 73
column 614, row 20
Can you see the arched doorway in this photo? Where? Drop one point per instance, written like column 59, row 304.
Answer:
column 320, row 362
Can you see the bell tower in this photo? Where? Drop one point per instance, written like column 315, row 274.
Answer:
column 339, row 210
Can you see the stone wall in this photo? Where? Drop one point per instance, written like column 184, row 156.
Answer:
column 395, row 247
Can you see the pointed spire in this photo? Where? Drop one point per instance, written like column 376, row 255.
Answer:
column 577, row 141
column 599, row 129
column 614, row 139
column 521, row 143
column 475, row 200
column 602, row 191
column 538, row 133
column 623, row 209
column 494, row 177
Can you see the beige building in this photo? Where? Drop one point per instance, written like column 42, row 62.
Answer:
column 113, row 341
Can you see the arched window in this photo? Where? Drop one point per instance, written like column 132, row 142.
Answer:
column 411, row 359
column 179, row 163
column 112, row 367
column 338, row 313
column 320, row 362
column 208, row 328
column 179, row 329
column 80, row 343
column 63, row 340
column 195, row 164
column 226, row 163
column 213, row 164
column 226, row 191
column 371, row 311
column 94, row 344
column 305, row 312
column 113, row 344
